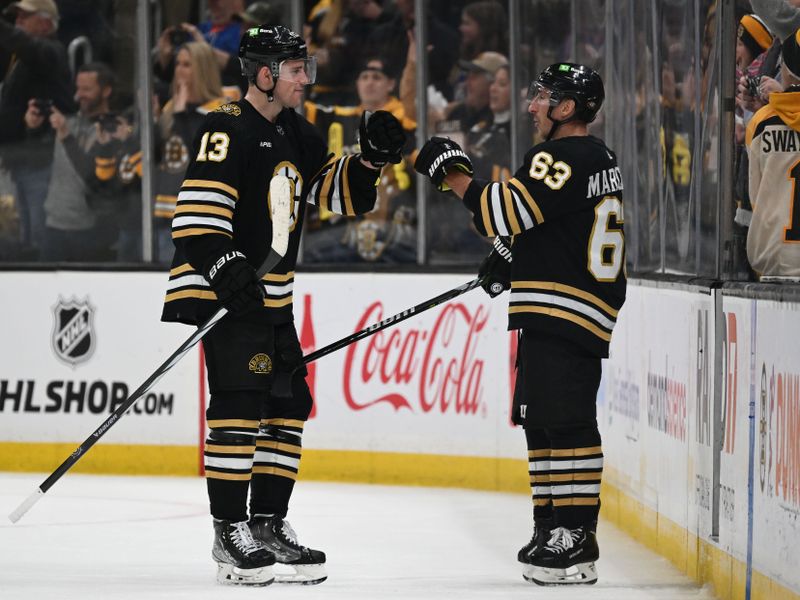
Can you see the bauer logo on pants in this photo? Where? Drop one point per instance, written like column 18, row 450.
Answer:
column 73, row 330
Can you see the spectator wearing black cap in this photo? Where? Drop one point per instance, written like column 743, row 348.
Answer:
column 773, row 144
column 38, row 76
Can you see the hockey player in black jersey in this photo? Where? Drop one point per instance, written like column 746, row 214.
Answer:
column 560, row 248
column 221, row 231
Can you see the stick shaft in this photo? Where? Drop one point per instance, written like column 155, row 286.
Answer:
column 393, row 320
column 269, row 263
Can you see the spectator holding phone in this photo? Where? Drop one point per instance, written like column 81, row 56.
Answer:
column 38, row 77
column 76, row 229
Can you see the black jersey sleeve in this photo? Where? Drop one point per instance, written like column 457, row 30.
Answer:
column 203, row 221
column 549, row 184
column 345, row 186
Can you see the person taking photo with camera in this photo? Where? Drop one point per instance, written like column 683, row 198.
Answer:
column 74, row 231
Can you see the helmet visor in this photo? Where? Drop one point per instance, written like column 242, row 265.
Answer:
column 538, row 93
column 299, row 70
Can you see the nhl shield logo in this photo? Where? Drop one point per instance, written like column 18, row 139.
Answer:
column 73, row 330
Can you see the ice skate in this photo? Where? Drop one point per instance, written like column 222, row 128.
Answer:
column 240, row 559
column 567, row 559
column 541, row 533
column 294, row 563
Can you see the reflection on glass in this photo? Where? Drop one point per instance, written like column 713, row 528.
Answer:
column 65, row 110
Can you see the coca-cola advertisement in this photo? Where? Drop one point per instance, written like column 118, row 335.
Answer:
column 440, row 375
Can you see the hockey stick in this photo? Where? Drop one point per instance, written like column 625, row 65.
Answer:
column 280, row 210
column 390, row 321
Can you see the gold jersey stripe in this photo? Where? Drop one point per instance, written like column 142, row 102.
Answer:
column 566, row 477
column 326, row 188
column 541, row 501
column 275, row 471
column 540, row 479
column 278, row 278
column 485, row 212
column 512, row 216
column 284, row 422
column 273, row 445
column 205, row 208
column 577, row 451
column 216, row 448
column 566, row 289
column 348, row 201
column 562, row 314
column 537, row 212
column 229, row 476
column 246, row 423
column 576, row 501
column 278, row 303
column 538, row 453
column 213, row 185
column 199, row 294
column 198, row 231
column 181, row 269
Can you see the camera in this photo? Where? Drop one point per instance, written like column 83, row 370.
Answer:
column 44, row 106
column 752, row 83
column 179, row 36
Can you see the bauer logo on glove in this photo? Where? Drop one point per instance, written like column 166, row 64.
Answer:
column 439, row 156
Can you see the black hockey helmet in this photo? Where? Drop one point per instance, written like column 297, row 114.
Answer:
column 271, row 46
column 569, row 80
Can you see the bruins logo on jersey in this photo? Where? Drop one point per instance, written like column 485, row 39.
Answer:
column 176, row 155
column 230, row 109
column 260, row 364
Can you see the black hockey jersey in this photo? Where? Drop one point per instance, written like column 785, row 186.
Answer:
column 223, row 202
column 564, row 209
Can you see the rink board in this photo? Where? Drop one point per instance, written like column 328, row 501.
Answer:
column 657, row 417
column 431, row 384
column 426, row 402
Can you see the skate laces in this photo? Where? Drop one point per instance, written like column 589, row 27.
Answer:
column 242, row 538
column 289, row 533
column 562, row 539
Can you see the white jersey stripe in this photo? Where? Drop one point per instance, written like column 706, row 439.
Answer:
column 575, row 305
column 496, row 202
column 195, row 196
column 194, row 221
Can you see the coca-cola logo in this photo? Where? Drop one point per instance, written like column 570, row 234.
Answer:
column 434, row 369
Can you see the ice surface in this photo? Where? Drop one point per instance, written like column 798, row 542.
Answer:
column 141, row 538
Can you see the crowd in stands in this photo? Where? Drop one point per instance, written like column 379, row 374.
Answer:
column 69, row 133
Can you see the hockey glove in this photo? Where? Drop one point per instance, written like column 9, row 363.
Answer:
column 496, row 268
column 235, row 283
column 438, row 156
column 381, row 138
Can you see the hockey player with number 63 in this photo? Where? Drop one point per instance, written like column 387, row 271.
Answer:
column 221, row 230
column 560, row 248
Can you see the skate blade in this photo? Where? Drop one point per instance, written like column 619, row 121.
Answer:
column 230, row 575
column 580, row 574
column 300, row 574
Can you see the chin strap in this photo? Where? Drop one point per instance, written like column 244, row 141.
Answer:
column 556, row 124
column 269, row 92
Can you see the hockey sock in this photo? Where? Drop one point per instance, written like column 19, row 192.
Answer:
column 228, row 458
column 277, row 459
column 576, row 469
column 539, row 471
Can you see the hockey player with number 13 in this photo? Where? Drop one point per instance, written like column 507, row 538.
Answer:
column 221, row 231
column 565, row 265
